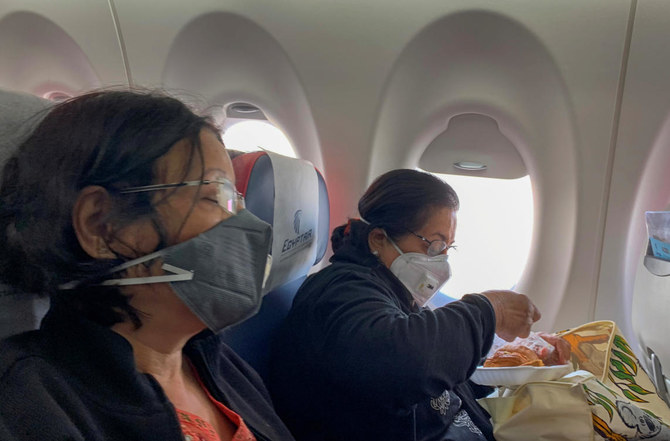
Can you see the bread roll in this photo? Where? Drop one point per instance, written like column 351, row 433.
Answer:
column 508, row 356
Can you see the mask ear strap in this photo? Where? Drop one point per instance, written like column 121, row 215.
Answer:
column 179, row 274
column 128, row 264
column 393, row 243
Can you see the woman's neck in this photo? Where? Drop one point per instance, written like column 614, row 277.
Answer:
column 155, row 353
column 159, row 353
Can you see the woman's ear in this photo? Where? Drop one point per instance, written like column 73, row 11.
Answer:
column 89, row 216
column 376, row 240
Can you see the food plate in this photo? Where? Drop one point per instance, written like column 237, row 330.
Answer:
column 517, row 375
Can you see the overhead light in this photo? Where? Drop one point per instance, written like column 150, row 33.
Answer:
column 244, row 108
column 470, row 166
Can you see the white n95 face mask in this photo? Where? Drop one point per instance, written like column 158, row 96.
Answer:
column 422, row 275
column 219, row 274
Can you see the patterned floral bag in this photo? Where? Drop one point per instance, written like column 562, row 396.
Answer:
column 610, row 397
column 623, row 400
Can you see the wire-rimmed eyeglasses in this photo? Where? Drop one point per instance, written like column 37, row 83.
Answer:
column 435, row 247
column 227, row 195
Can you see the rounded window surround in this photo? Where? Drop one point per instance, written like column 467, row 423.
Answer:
column 480, row 62
column 33, row 45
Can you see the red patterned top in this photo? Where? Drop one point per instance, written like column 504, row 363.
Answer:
column 195, row 428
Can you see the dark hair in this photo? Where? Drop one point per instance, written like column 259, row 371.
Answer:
column 398, row 201
column 107, row 138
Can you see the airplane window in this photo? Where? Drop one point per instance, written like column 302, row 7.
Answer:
column 493, row 235
column 255, row 135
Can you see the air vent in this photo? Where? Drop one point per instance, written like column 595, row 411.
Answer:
column 470, row 166
column 57, row 96
column 244, row 108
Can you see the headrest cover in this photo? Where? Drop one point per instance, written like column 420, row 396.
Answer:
column 284, row 192
column 19, row 115
column 296, row 210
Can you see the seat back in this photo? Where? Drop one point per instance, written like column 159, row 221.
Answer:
column 19, row 114
column 290, row 194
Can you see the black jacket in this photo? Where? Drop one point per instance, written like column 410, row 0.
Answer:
column 357, row 360
column 76, row 380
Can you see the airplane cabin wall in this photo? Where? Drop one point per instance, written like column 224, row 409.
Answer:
column 219, row 55
column 68, row 46
column 361, row 87
column 552, row 93
column 628, row 293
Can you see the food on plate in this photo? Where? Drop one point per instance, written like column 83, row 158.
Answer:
column 538, row 349
column 513, row 356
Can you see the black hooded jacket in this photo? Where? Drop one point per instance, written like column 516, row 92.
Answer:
column 76, row 380
column 357, row 360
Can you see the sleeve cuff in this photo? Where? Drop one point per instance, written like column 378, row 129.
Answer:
column 488, row 319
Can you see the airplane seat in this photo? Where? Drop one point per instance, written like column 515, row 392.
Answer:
column 650, row 310
column 291, row 195
column 19, row 114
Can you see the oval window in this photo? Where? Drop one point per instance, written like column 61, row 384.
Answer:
column 493, row 235
column 256, row 135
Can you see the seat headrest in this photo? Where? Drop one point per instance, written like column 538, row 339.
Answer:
column 289, row 194
column 19, row 115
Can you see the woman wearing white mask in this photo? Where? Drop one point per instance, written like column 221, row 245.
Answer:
column 360, row 358
column 121, row 207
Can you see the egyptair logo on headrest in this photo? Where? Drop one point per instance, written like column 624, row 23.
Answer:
column 300, row 241
column 296, row 221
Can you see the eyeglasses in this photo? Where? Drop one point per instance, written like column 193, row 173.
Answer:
column 227, row 195
column 435, row 247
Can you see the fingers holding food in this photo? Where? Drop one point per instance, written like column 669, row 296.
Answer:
column 562, row 353
column 539, row 349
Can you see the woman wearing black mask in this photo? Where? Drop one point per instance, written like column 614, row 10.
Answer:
column 121, row 206
column 360, row 358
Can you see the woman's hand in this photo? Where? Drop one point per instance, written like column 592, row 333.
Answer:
column 562, row 353
column 515, row 313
